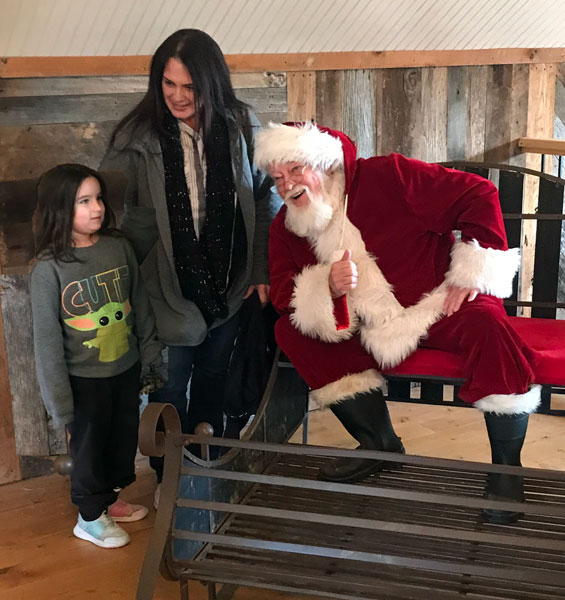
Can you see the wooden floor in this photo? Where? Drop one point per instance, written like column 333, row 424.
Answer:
column 40, row 559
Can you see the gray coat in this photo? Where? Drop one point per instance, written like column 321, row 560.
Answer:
column 146, row 224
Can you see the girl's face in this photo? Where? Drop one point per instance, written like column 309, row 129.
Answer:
column 89, row 213
column 178, row 92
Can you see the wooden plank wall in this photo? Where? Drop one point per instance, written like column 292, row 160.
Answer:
column 430, row 113
column 47, row 121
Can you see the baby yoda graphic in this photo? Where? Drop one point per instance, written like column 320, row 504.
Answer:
column 111, row 329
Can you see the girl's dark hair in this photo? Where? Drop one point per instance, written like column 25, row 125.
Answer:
column 213, row 90
column 55, row 210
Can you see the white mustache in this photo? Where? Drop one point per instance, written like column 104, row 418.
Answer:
column 295, row 191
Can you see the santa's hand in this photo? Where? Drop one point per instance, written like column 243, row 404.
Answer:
column 343, row 275
column 455, row 298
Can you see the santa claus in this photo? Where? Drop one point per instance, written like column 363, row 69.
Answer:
column 365, row 267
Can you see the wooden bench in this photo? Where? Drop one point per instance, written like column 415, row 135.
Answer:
column 424, row 377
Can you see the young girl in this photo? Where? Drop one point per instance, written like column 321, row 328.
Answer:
column 95, row 339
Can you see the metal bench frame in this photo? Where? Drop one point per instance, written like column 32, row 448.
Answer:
column 413, row 532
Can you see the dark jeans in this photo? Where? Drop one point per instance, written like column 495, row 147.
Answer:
column 206, row 367
column 103, row 439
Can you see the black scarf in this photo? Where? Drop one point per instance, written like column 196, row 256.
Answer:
column 204, row 265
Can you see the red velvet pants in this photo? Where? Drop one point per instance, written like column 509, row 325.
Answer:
column 496, row 360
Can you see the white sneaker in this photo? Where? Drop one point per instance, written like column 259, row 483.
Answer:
column 157, row 496
column 103, row 532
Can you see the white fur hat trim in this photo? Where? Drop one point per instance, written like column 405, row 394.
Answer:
column 304, row 144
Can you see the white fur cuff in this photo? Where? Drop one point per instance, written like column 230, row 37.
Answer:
column 347, row 387
column 511, row 404
column 314, row 308
column 390, row 341
column 490, row 271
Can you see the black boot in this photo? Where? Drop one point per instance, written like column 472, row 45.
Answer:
column 506, row 434
column 366, row 418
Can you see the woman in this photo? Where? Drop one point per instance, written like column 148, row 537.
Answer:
column 197, row 213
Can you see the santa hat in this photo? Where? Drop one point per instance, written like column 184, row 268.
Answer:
column 305, row 143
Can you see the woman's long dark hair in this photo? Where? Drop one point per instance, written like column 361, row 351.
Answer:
column 213, row 90
column 55, row 210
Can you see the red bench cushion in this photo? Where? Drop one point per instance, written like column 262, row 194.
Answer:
column 545, row 335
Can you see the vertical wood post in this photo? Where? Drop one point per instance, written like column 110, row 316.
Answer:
column 9, row 463
column 539, row 124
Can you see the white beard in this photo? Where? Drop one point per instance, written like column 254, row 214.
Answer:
column 312, row 219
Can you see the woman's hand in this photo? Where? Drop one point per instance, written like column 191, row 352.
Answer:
column 263, row 289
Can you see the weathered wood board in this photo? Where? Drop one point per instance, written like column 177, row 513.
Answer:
column 9, row 463
column 30, row 423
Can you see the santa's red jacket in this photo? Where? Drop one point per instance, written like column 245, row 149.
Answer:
column 401, row 214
